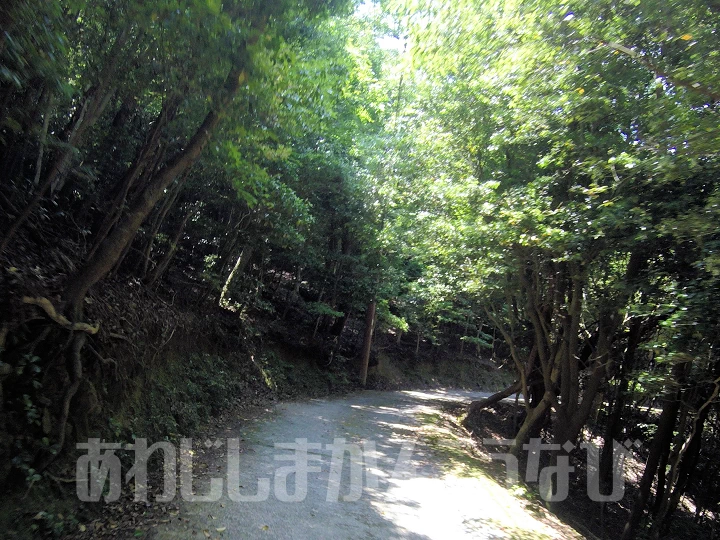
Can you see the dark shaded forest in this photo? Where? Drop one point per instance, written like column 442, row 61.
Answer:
column 202, row 200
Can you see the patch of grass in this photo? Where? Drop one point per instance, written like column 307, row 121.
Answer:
column 454, row 454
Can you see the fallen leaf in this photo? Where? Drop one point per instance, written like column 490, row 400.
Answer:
column 206, row 533
column 686, row 37
column 220, row 529
column 82, row 527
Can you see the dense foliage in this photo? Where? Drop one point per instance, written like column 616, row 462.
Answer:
column 535, row 178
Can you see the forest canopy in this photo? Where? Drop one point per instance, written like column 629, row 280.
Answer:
column 532, row 177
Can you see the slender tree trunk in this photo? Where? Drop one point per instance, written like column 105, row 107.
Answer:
column 96, row 99
column 477, row 406
column 225, row 251
column 614, row 420
column 661, row 441
column 317, row 322
column 111, row 248
column 663, row 486
column 684, row 474
column 367, row 341
column 157, row 222
column 172, row 249
column 121, row 259
column 238, row 269
column 294, row 295
column 43, row 138
column 140, row 163
column 492, row 356
column 536, row 416
column 684, row 466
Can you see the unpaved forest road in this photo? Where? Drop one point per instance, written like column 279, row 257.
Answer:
column 431, row 502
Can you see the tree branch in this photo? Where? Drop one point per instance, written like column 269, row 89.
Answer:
column 659, row 72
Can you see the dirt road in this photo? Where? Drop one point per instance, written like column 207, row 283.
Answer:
column 379, row 465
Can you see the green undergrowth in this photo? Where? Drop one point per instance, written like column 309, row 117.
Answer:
column 183, row 395
column 188, row 391
column 180, row 397
column 467, row 372
column 448, row 443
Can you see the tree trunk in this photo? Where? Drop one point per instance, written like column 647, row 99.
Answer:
column 43, row 137
column 157, row 222
column 684, row 466
column 614, row 420
column 367, row 341
column 661, row 441
column 238, row 269
column 111, row 248
column 294, row 296
column 535, row 417
column 477, row 406
column 131, row 175
column 96, row 99
column 172, row 249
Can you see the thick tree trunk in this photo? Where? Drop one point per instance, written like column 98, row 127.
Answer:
column 111, row 248
column 367, row 341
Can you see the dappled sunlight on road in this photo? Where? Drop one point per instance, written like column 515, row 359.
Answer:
column 422, row 479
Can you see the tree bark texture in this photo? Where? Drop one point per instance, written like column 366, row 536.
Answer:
column 367, row 341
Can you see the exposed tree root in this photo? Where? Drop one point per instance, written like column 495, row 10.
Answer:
column 75, row 362
column 49, row 309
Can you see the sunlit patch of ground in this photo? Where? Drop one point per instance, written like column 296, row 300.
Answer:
column 462, row 507
column 464, row 501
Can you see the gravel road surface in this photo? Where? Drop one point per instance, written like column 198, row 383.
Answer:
column 394, row 480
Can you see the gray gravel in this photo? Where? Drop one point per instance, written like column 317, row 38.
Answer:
column 422, row 501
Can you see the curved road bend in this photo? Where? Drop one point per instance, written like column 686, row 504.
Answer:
column 421, row 498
